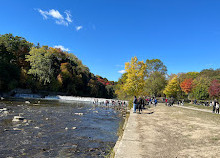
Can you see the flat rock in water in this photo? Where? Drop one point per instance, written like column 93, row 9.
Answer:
column 78, row 113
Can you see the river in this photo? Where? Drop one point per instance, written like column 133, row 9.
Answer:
column 57, row 129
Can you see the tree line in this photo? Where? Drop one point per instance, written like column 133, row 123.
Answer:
column 150, row 78
column 43, row 68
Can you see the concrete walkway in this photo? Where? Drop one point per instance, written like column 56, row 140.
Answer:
column 170, row 132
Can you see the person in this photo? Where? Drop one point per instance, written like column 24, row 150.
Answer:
column 214, row 104
column 217, row 107
column 155, row 102
column 143, row 102
column 166, row 101
column 140, row 102
column 135, row 104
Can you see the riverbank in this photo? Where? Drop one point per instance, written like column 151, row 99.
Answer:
column 170, row 132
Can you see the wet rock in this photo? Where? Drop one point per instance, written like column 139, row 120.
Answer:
column 79, row 114
column 16, row 129
column 25, row 120
column 18, row 118
column 6, row 112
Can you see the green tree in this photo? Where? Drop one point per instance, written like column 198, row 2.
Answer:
column 155, row 65
column 201, row 86
column 41, row 64
column 155, row 83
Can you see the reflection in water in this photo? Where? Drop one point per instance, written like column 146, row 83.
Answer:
column 57, row 129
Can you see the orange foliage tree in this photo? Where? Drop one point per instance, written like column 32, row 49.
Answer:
column 187, row 85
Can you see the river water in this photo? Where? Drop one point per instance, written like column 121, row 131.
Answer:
column 57, row 129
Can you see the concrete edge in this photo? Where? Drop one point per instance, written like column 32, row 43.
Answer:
column 120, row 137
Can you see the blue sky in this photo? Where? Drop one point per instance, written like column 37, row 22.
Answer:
column 104, row 34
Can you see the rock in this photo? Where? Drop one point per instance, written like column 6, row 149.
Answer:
column 78, row 113
column 27, row 102
column 6, row 112
column 18, row 118
column 2, row 98
column 73, row 127
column 66, row 128
column 29, row 121
column 47, row 119
column 36, row 127
column 16, row 129
column 25, row 120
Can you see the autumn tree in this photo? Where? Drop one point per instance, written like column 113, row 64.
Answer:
column 173, row 88
column 214, row 89
column 187, row 85
column 136, row 71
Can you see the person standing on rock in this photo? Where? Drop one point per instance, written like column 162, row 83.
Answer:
column 135, row 104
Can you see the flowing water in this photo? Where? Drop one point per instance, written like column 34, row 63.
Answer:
column 57, row 129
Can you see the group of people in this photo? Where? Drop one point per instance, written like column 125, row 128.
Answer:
column 215, row 104
column 139, row 103
column 110, row 102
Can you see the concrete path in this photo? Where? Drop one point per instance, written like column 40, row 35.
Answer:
column 170, row 132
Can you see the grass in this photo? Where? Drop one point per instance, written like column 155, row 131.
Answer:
column 199, row 106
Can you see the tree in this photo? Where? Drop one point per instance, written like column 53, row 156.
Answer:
column 155, row 83
column 40, row 62
column 172, row 89
column 154, row 65
column 214, row 89
column 120, row 86
column 136, row 72
column 201, row 86
column 187, row 85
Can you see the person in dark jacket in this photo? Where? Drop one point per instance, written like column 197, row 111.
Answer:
column 135, row 104
column 214, row 105
column 140, row 102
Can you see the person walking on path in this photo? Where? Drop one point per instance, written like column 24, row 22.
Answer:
column 135, row 104
column 217, row 107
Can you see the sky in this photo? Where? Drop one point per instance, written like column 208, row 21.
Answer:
column 104, row 34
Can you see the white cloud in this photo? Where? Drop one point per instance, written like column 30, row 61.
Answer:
column 68, row 16
column 55, row 14
column 121, row 71
column 62, row 48
column 78, row 28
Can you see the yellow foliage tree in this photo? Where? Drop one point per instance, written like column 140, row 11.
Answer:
column 136, row 73
column 172, row 88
